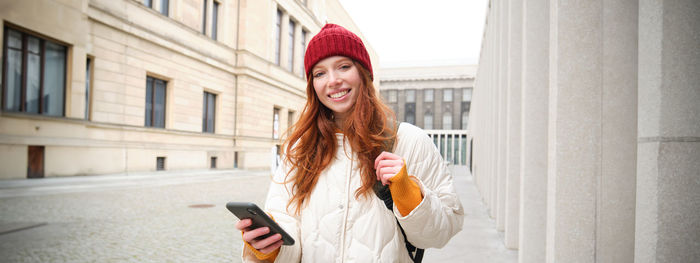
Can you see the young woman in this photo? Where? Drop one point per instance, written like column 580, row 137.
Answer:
column 322, row 194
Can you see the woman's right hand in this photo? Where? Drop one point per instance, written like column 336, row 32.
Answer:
column 265, row 246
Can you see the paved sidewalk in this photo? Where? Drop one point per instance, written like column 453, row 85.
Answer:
column 478, row 241
column 148, row 217
column 172, row 216
column 93, row 183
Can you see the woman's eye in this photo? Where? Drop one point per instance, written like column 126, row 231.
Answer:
column 318, row 74
column 345, row 66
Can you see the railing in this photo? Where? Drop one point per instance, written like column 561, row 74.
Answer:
column 452, row 144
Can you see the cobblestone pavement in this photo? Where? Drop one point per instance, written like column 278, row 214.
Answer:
column 125, row 218
column 147, row 218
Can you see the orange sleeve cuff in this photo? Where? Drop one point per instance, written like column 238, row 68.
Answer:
column 270, row 257
column 262, row 256
column 405, row 192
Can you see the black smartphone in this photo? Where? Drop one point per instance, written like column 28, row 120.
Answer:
column 244, row 210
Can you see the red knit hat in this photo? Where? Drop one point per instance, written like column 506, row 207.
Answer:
column 334, row 40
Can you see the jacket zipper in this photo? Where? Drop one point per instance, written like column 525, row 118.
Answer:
column 346, row 208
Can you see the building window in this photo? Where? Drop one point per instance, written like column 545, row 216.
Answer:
column 304, row 33
column 155, row 102
column 466, row 105
column 88, row 83
column 428, row 95
column 292, row 28
column 208, row 112
column 165, row 7
column 410, row 115
column 212, row 164
column 447, row 121
column 447, row 95
column 215, row 21
column 428, row 120
column 392, row 96
column 276, row 124
column 410, row 95
column 148, row 3
column 278, row 36
column 290, row 119
column 467, row 94
column 204, row 17
column 160, row 163
column 278, row 155
column 465, row 119
column 35, row 74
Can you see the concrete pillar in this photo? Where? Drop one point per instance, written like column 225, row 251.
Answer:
column 493, row 105
column 668, row 199
column 591, row 123
column 512, row 162
column 502, row 112
column 617, row 183
column 493, row 143
column 481, row 140
column 535, row 92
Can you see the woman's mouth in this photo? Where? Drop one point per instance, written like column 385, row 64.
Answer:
column 339, row 95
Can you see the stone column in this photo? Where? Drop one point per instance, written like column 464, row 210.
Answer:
column 513, row 129
column 502, row 111
column 668, row 165
column 591, row 123
column 616, row 185
column 493, row 143
column 535, row 94
column 484, row 82
column 574, row 130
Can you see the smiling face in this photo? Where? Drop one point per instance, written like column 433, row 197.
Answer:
column 337, row 83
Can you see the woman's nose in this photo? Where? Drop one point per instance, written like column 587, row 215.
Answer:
column 334, row 78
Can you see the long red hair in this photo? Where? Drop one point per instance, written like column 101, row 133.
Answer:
column 312, row 144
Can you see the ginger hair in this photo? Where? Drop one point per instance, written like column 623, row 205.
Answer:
column 311, row 146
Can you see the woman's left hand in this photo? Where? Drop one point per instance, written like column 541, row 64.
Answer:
column 387, row 166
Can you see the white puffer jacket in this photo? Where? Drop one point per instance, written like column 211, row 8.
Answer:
column 334, row 226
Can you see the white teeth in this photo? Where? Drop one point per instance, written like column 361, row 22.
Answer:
column 339, row 94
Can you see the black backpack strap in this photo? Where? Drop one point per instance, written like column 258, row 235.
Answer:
column 382, row 191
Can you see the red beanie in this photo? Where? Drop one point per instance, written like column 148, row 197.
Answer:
column 334, row 40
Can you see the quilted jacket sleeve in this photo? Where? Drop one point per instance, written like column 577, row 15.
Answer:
column 440, row 215
column 276, row 204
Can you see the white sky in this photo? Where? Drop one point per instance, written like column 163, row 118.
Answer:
column 421, row 32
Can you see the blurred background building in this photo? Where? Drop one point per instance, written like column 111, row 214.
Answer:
column 113, row 86
column 435, row 98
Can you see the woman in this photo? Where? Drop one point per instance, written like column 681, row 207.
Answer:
column 322, row 194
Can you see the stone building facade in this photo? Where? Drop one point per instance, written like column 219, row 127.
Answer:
column 585, row 126
column 433, row 98
column 113, row 86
